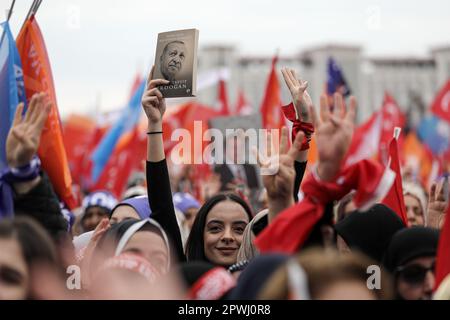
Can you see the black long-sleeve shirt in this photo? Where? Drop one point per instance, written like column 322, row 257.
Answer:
column 300, row 168
column 161, row 204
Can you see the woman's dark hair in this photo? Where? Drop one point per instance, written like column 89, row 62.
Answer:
column 36, row 244
column 195, row 243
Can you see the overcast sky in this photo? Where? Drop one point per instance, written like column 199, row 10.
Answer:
column 96, row 47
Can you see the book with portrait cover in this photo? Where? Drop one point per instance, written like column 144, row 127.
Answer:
column 176, row 61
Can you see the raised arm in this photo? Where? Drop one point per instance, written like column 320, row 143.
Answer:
column 302, row 104
column 34, row 197
column 158, row 181
column 278, row 172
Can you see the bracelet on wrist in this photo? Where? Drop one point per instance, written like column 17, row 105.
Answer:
column 24, row 173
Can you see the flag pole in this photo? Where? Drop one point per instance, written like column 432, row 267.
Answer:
column 38, row 4
column 29, row 13
column 10, row 11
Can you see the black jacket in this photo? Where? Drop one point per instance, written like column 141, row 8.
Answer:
column 42, row 204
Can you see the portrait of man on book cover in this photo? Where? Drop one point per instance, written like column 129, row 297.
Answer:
column 175, row 61
column 172, row 59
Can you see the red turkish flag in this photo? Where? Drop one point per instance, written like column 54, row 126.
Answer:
column 391, row 117
column 441, row 104
column 394, row 198
column 77, row 135
column 443, row 256
column 127, row 156
column 224, row 110
column 272, row 115
column 365, row 140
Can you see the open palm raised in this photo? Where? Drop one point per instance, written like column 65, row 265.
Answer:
column 334, row 131
column 25, row 134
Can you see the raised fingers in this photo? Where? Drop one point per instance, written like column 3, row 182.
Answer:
column 38, row 108
column 284, row 140
column 294, row 151
column 440, row 196
column 31, row 107
column 324, row 108
column 432, row 197
column 41, row 118
column 286, row 78
column 339, row 105
column 18, row 114
column 351, row 113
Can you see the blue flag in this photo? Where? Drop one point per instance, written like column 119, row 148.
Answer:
column 128, row 119
column 336, row 81
column 12, row 91
column 435, row 133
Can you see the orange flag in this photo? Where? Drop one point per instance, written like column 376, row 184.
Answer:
column 38, row 77
column 418, row 159
column 272, row 115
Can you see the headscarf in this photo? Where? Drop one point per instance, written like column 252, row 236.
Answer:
column 371, row 231
column 415, row 190
column 139, row 204
column 103, row 199
column 248, row 250
column 184, row 201
column 120, row 233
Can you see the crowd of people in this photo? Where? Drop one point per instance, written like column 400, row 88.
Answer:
column 318, row 232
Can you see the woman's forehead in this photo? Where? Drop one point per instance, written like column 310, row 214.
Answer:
column 227, row 211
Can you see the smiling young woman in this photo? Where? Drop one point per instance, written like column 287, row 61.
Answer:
column 218, row 229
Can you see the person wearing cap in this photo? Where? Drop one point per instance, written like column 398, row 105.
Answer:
column 369, row 232
column 96, row 206
column 410, row 258
column 415, row 203
column 188, row 205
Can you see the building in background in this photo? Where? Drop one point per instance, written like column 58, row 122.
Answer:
column 412, row 81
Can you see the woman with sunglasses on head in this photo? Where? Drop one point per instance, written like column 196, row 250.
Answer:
column 410, row 258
